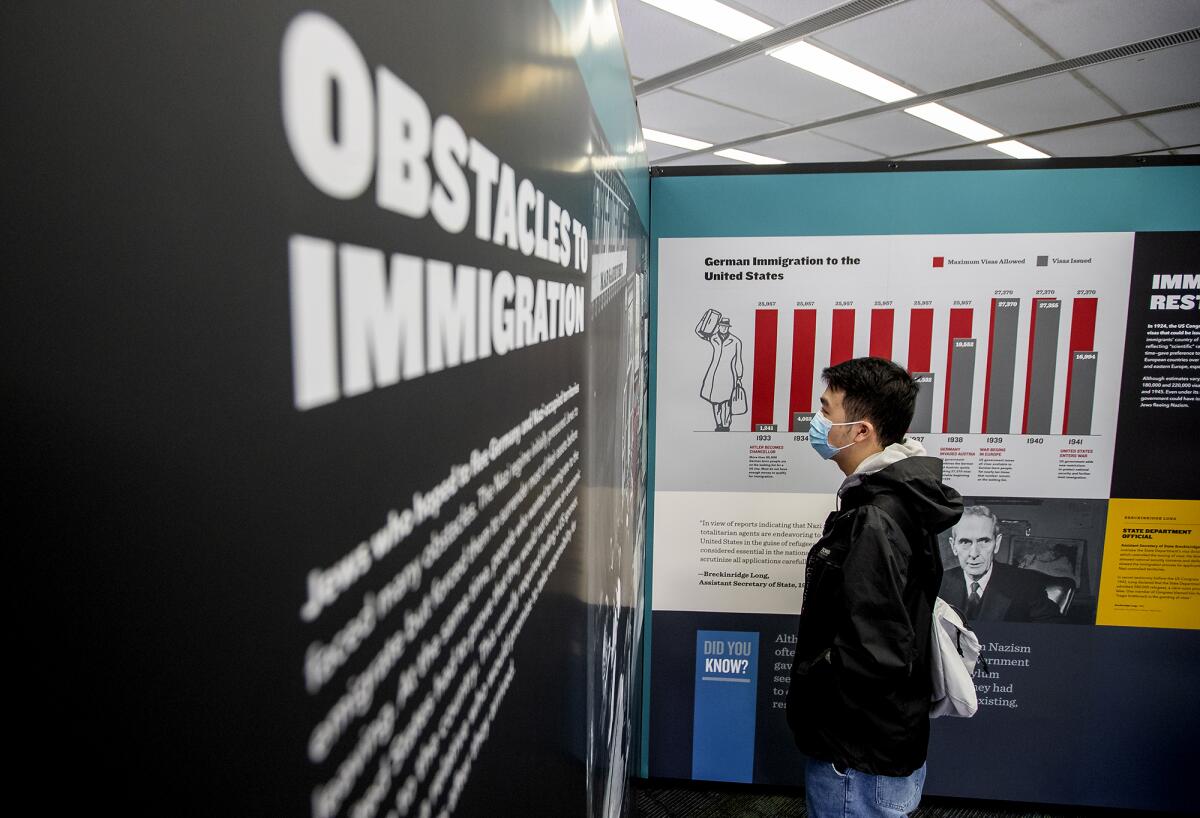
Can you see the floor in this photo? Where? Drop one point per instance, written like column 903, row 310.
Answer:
column 682, row 799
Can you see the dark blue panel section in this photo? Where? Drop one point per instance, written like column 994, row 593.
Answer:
column 668, row 736
column 1075, row 714
column 673, row 690
column 1104, row 717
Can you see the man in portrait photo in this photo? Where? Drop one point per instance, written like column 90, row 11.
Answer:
column 984, row 589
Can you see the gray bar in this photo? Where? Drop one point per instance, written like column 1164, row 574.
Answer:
column 962, row 384
column 922, row 422
column 1046, row 313
column 1003, row 356
column 1083, row 393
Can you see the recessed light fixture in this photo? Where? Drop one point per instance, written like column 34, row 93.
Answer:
column 651, row 135
column 687, row 143
column 953, row 121
column 714, row 16
column 750, row 158
column 843, row 72
column 1018, row 150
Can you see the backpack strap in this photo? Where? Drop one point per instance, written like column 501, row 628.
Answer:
column 895, row 509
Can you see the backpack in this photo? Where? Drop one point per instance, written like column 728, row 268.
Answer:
column 955, row 651
column 954, row 648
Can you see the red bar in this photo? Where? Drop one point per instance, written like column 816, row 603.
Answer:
column 882, row 323
column 987, row 375
column 804, row 351
column 842, row 346
column 1033, row 318
column 1083, row 339
column 762, row 394
column 920, row 340
column 960, row 327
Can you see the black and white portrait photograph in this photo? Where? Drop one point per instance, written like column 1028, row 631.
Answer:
column 1025, row 560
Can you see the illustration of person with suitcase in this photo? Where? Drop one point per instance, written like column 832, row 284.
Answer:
column 722, row 384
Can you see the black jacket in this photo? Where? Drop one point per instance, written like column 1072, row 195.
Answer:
column 860, row 688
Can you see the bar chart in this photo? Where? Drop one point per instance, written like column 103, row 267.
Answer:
column 1053, row 380
column 1081, row 369
column 1001, row 365
column 762, row 395
column 1016, row 343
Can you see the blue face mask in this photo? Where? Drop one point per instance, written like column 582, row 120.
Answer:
column 818, row 435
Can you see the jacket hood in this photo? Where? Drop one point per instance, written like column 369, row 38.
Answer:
column 904, row 470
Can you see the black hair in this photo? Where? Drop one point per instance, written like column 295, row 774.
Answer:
column 877, row 390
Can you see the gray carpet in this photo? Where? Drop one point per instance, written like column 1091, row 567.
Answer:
column 667, row 799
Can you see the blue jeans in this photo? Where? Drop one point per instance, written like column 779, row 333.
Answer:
column 853, row 794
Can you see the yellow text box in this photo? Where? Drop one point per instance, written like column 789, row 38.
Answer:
column 1151, row 572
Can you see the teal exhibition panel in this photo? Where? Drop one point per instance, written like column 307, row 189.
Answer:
column 1050, row 313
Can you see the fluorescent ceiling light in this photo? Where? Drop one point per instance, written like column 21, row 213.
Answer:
column 714, row 16
column 739, row 26
column 651, row 135
column 954, row 122
column 749, row 158
column 1018, row 150
column 843, row 72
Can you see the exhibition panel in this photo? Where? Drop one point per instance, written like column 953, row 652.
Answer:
column 326, row 348
column 1049, row 315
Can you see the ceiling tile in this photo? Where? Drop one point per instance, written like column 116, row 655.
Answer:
column 1178, row 128
column 1154, row 80
column 658, row 42
column 1076, row 27
column 784, row 12
column 929, row 45
column 973, row 152
column 812, row 147
column 1100, row 140
column 1029, row 106
column 686, row 115
column 657, row 150
column 706, row 159
column 892, row 133
column 778, row 90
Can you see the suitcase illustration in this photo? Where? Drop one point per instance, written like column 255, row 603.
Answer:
column 708, row 324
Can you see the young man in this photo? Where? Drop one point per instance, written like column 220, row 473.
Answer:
column 859, row 698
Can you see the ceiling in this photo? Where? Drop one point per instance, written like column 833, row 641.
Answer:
column 695, row 83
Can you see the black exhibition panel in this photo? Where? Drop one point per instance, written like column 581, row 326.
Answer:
column 325, row 405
